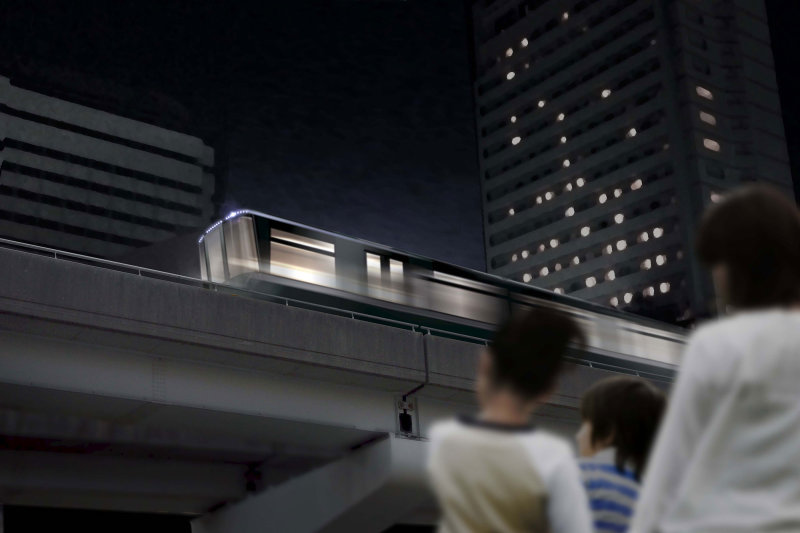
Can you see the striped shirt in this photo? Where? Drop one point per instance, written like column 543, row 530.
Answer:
column 612, row 494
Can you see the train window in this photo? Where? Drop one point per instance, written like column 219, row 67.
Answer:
column 384, row 277
column 302, row 258
column 216, row 261
column 465, row 298
column 303, row 241
column 203, row 269
column 240, row 246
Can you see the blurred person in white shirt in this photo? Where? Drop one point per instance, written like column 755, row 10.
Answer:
column 495, row 472
column 727, row 458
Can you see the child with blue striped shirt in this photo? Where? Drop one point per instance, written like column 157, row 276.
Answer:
column 620, row 418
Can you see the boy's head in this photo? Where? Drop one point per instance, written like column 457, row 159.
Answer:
column 621, row 412
column 525, row 357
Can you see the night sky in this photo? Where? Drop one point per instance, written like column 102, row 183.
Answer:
column 353, row 116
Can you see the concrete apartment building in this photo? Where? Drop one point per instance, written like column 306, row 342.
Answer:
column 85, row 180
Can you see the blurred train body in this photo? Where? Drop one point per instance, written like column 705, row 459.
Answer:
column 272, row 257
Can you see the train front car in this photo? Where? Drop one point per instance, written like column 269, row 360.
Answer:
column 291, row 263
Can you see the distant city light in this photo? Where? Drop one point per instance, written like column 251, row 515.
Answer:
column 511, row 212
column 617, row 193
column 565, row 163
column 658, row 232
column 603, row 198
column 591, row 281
column 664, row 287
column 585, row 232
column 563, row 139
column 553, row 243
column 628, row 297
column 560, row 116
column 515, row 141
column 513, row 119
column 526, row 277
column 619, row 218
column 541, row 103
column 636, row 185
column 524, row 42
column 606, row 93
column 509, row 52
column 510, row 75
column 622, row 244
column 614, row 301
column 631, row 132
column 661, row 259
column 580, row 182
column 570, row 211
column 544, row 271
column 525, row 254
column 646, row 264
column 705, row 93
column 576, row 260
column 565, row 16
column 611, row 275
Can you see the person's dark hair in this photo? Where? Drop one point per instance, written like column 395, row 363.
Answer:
column 626, row 410
column 755, row 233
column 528, row 349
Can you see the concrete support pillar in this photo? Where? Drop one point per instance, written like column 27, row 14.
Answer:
column 369, row 490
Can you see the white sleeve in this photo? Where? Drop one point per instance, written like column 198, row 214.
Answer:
column 685, row 418
column 568, row 506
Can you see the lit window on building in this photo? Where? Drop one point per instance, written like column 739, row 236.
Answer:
column 661, row 259
column 538, row 199
column 542, row 247
column 511, row 212
column 524, row 43
column 644, row 237
column 568, row 187
column 631, row 133
column 570, row 211
column 715, row 197
column 558, row 290
column 609, row 249
column 605, row 93
column 563, row 139
column 622, row 244
column 646, row 264
column 664, row 288
column 514, row 258
column 509, row 52
column 565, row 163
column 565, row 15
column 560, row 117
column 525, row 254
column 614, row 301
column 548, row 195
column 658, row 232
column 513, row 119
column 591, row 281
column 636, row 185
column 526, row 277
column 611, row 275
column 544, row 271
column 704, row 93
column 628, row 297
column 711, row 144
column 553, row 243
column 580, row 182
column 510, row 75
column 585, row 231
column 617, row 193
column 708, row 118
column 619, row 218
column 557, row 267
column 649, row 291
column 541, row 103
column 576, row 260
column 516, row 140
column 603, row 198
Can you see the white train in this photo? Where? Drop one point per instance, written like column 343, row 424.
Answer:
column 278, row 258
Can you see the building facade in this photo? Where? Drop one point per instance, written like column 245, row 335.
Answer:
column 606, row 126
column 89, row 181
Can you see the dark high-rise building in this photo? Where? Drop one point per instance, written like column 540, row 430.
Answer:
column 79, row 178
column 606, row 126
